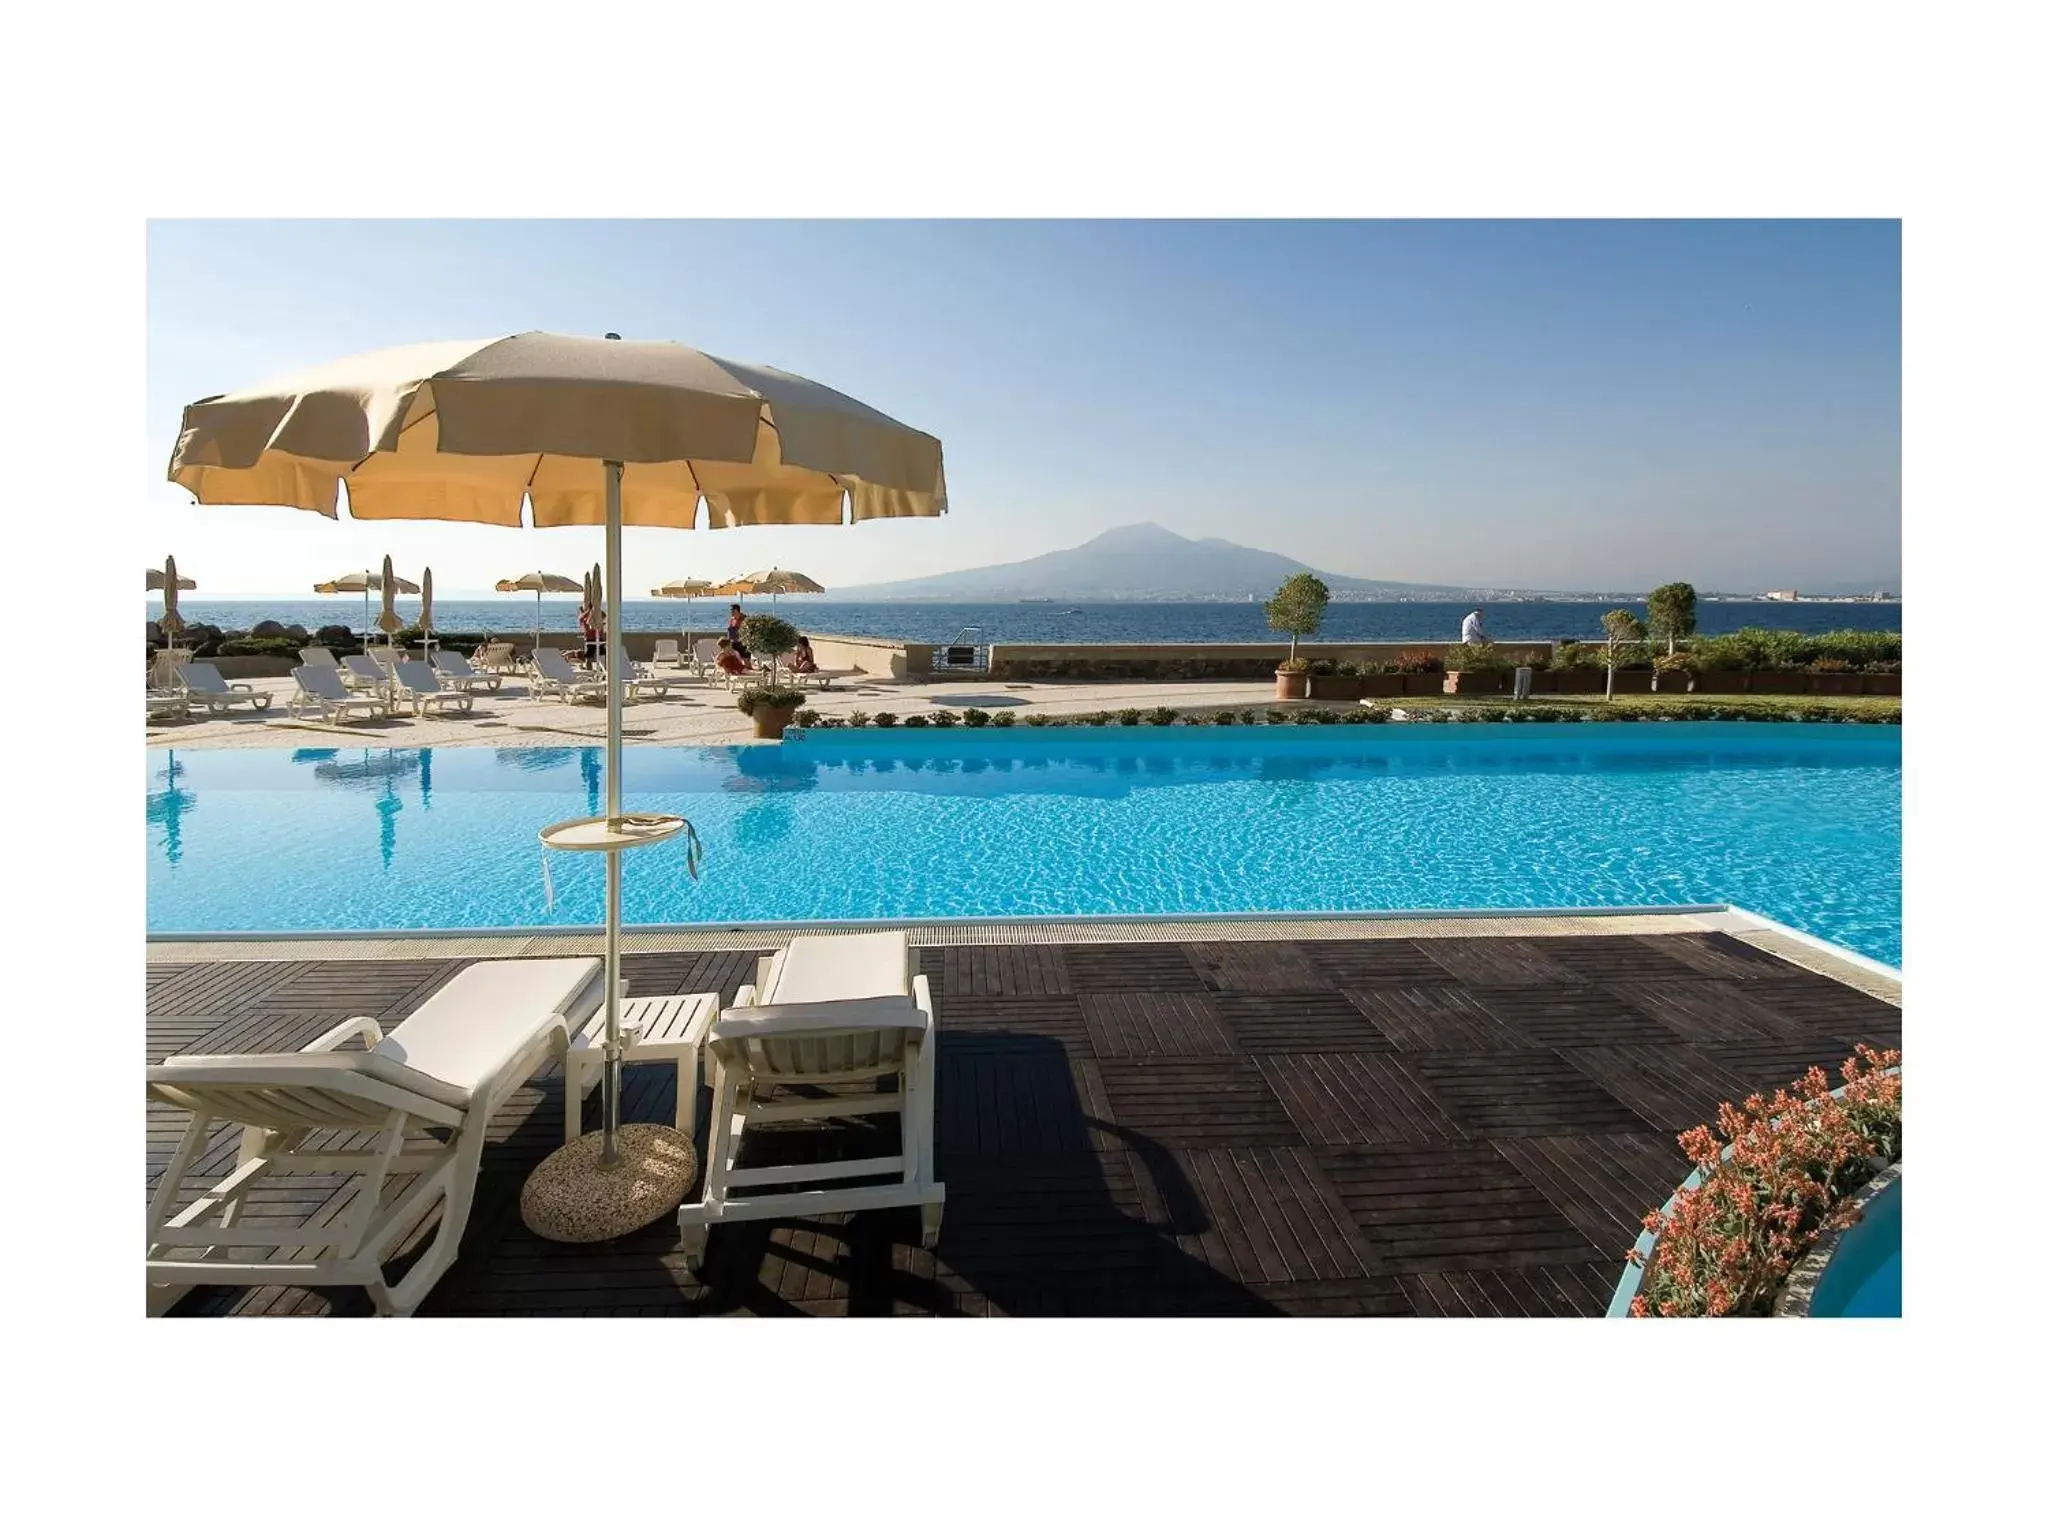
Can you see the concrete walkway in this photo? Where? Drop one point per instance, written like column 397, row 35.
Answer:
column 694, row 713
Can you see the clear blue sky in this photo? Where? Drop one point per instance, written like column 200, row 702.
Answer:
column 1564, row 405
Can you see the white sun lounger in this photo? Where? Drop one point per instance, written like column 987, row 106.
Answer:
column 322, row 692
column 823, row 677
column 420, row 686
column 552, row 674
column 639, row 680
column 838, row 1012
column 363, row 674
column 449, row 1067
column 318, row 656
column 668, row 653
column 454, row 668
column 704, row 657
column 204, row 685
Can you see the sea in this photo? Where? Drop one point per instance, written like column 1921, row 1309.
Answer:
column 1050, row 623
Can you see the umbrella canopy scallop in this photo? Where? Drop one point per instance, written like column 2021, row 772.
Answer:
column 772, row 583
column 474, row 431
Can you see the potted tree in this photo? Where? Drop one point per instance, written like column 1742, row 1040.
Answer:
column 770, row 705
column 769, row 635
column 1296, row 610
column 1623, row 629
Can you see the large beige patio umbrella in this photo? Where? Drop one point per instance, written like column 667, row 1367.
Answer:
column 364, row 582
column 771, row 584
column 538, row 582
column 581, row 432
column 688, row 588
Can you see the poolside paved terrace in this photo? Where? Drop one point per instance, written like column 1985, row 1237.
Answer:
column 695, row 713
column 1455, row 1117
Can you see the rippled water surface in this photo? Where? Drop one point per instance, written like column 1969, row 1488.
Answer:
column 1799, row 822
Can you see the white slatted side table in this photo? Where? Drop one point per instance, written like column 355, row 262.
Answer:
column 653, row 1029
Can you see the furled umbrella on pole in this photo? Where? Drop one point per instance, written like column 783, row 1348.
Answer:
column 538, row 582
column 427, row 614
column 364, row 582
column 172, row 624
column 583, row 432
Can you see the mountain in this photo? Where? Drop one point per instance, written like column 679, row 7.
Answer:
column 1136, row 563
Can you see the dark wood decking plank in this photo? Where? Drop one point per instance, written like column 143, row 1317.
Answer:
column 1763, row 1067
column 1242, row 967
column 1722, row 956
column 1701, row 1011
column 1499, row 962
column 1560, row 1290
column 1197, row 1104
column 1520, row 1093
column 1460, row 1207
column 1349, row 1099
column 1051, row 1018
column 996, row 970
column 1807, row 1005
column 1437, row 1019
column 1608, row 958
column 1602, row 1184
column 1144, row 1024
column 1561, row 1016
column 1298, row 1021
column 1671, row 1089
column 1363, row 964
column 1131, row 968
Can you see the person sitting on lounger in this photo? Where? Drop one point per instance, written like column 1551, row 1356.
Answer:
column 730, row 661
column 801, row 660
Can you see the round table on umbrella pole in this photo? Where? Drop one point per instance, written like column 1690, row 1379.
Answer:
column 618, row 1179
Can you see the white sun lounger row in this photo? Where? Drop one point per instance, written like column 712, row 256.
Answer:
column 844, row 1013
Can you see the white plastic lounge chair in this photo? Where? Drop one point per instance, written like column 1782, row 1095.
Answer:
column 456, row 671
column 420, row 686
column 834, row 1013
column 204, row 685
column 668, row 653
column 322, row 692
column 552, row 674
column 447, row 1068
column 704, row 657
column 640, row 681
column 318, row 656
column 818, row 677
column 164, row 704
column 363, row 674
column 499, row 656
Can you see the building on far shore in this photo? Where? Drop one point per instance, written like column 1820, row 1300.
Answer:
column 1783, row 595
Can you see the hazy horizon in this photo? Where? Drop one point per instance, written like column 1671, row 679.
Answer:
column 1563, row 406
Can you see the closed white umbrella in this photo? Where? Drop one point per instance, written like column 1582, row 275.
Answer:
column 427, row 612
column 168, row 582
column 580, row 432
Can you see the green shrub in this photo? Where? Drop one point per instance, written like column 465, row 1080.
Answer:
column 1673, row 610
column 1322, row 666
column 767, row 695
column 1100, row 717
column 805, row 718
column 1038, row 719
column 1349, row 668
column 1129, row 716
column 1003, row 718
column 1292, row 665
column 915, row 720
column 944, row 718
column 857, row 718
column 1418, row 661
column 1297, row 608
column 768, row 634
column 1366, row 714
column 885, row 718
column 1224, row 717
column 1474, row 658
column 249, row 645
column 1163, row 715
column 974, row 717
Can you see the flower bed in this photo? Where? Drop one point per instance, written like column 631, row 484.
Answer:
column 1725, row 1243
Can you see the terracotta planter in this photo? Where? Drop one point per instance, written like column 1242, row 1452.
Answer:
column 1477, row 682
column 1383, row 685
column 1290, row 685
column 770, row 721
column 1332, row 686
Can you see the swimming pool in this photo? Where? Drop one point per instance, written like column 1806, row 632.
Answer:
column 1800, row 822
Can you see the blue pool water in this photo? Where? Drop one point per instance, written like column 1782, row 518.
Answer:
column 1863, row 1278
column 1797, row 821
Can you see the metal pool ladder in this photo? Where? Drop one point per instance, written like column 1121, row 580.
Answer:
column 964, row 653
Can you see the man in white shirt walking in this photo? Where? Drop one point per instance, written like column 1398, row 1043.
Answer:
column 1472, row 634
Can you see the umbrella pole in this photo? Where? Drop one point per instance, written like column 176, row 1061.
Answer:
column 613, row 744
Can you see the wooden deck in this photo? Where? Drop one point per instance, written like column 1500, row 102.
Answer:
column 1359, row 1127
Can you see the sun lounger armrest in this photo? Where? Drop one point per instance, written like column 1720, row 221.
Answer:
column 853, row 1016
column 362, row 1024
